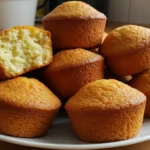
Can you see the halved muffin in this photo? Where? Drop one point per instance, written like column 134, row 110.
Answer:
column 22, row 49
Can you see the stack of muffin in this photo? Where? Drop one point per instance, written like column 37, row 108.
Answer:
column 27, row 106
column 100, row 110
column 75, row 27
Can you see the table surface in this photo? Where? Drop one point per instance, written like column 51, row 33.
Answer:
column 140, row 146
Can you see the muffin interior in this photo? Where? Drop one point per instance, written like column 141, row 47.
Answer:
column 23, row 48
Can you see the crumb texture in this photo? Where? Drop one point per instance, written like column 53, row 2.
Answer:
column 24, row 48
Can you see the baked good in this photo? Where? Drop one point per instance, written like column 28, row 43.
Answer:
column 104, row 36
column 106, row 110
column 22, row 49
column 27, row 107
column 72, row 69
column 127, row 50
column 142, row 83
column 75, row 25
column 96, row 50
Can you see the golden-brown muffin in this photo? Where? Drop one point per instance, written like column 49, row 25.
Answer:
column 106, row 110
column 72, row 69
column 142, row 83
column 127, row 50
column 27, row 107
column 96, row 50
column 75, row 25
column 104, row 36
column 22, row 49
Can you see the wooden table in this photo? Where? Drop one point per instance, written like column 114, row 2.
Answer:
column 141, row 146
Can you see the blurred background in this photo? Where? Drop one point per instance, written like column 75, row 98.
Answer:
column 29, row 12
column 123, row 11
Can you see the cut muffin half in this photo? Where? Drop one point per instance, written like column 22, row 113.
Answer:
column 22, row 49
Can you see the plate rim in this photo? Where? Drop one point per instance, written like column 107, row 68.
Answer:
column 17, row 141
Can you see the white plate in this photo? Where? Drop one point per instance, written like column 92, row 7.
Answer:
column 61, row 136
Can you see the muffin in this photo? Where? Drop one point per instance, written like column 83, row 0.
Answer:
column 72, row 69
column 27, row 107
column 75, row 25
column 22, row 49
column 106, row 110
column 127, row 50
column 96, row 50
column 104, row 36
column 142, row 83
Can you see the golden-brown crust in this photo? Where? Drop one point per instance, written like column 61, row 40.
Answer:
column 76, row 33
column 74, row 10
column 104, row 36
column 107, row 126
column 106, row 94
column 3, row 74
column 71, row 69
column 73, row 58
column 33, row 94
column 106, row 110
column 75, row 25
column 27, row 107
column 22, row 122
column 6, row 31
column 126, row 39
column 127, row 49
column 142, row 83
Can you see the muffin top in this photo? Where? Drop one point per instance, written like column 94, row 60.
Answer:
column 142, row 82
column 72, row 58
column 126, row 39
column 22, row 92
column 74, row 10
column 105, row 95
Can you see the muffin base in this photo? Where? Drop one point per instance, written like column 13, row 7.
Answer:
column 75, row 33
column 23, row 122
column 107, row 125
